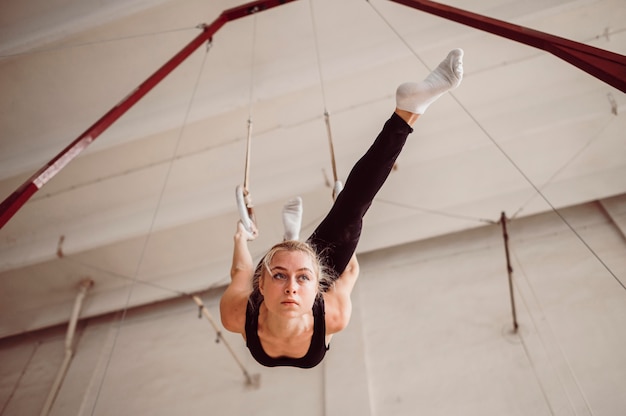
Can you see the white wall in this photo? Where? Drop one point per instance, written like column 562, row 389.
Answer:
column 431, row 334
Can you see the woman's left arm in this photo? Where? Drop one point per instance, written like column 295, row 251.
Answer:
column 338, row 304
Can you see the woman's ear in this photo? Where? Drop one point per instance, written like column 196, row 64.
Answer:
column 261, row 283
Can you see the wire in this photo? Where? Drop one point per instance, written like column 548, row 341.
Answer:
column 398, row 35
column 96, row 42
column 252, row 63
column 329, row 133
column 566, row 164
column 541, row 386
column 440, row 213
column 506, row 156
column 150, row 229
column 544, row 342
column 17, row 384
column 317, row 56
column 246, row 177
column 125, row 277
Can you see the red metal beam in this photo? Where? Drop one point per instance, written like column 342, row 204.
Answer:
column 607, row 66
column 21, row 195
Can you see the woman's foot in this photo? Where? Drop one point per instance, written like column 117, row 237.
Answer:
column 415, row 97
column 292, row 219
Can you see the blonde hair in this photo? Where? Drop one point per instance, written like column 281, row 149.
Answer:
column 324, row 280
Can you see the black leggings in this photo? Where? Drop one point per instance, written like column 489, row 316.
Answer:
column 336, row 238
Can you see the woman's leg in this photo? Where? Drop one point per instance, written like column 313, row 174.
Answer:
column 337, row 236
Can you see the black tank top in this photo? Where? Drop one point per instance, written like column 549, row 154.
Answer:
column 316, row 351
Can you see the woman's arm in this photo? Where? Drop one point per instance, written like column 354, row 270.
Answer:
column 235, row 298
column 338, row 303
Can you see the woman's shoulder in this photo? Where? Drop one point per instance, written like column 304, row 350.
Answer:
column 337, row 311
column 233, row 306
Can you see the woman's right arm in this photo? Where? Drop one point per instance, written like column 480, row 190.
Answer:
column 235, row 298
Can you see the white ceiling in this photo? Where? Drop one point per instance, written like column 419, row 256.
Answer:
column 151, row 201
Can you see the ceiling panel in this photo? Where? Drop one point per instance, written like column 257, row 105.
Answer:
column 148, row 210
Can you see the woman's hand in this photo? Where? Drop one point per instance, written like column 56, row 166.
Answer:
column 243, row 233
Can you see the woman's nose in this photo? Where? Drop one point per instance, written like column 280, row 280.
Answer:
column 291, row 286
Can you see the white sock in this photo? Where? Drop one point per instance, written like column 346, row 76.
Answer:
column 415, row 97
column 337, row 189
column 292, row 218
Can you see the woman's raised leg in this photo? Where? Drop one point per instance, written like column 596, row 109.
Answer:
column 338, row 234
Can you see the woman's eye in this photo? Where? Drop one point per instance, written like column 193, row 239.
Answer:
column 304, row 277
column 279, row 276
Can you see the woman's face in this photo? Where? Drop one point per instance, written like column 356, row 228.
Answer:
column 290, row 286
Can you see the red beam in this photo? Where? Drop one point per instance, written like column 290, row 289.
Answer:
column 21, row 195
column 607, row 66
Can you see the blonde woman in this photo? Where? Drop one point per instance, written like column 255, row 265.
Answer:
column 298, row 296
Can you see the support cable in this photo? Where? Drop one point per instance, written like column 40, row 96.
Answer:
column 333, row 160
column 17, row 384
column 246, row 179
column 440, row 213
column 146, row 240
column 509, row 159
column 97, row 42
column 419, row 58
column 544, row 342
column 242, row 193
column 565, row 165
column 531, row 362
column 25, row 191
column 604, row 65
column 541, row 386
column 131, row 279
column 251, row 380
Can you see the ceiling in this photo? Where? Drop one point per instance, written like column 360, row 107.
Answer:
column 148, row 210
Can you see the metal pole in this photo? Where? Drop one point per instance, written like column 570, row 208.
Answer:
column 607, row 66
column 85, row 285
column 21, row 195
column 252, row 381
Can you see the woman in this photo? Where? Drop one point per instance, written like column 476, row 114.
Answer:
column 289, row 307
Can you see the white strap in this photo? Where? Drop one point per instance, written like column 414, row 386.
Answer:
column 244, row 216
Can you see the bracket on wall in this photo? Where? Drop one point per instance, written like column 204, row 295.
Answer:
column 509, row 269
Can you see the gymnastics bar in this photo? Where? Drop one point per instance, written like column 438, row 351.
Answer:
column 21, row 195
column 607, row 66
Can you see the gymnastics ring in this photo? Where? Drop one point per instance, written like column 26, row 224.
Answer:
column 244, row 211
